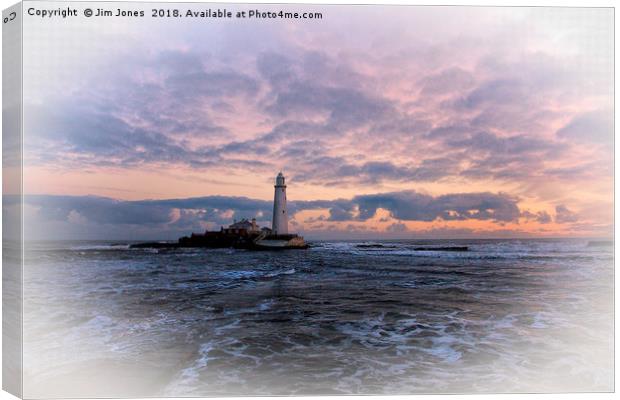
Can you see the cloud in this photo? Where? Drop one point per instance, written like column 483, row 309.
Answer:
column 487, row 142
column 345, row 108
column 335, row 169
column 592, row 127
column 563, row 215
column 541, row 217
column 496, row 92
column 317, row 95
column 92, row 137
column 413, row 206
column 360, row 113
column 192, row 85
column 313, row 86
column 180, row 216
column 102, row 210
column 276, row 68
column 510, row 158
column 397, row 228
column 173, row 61
column 447, row 81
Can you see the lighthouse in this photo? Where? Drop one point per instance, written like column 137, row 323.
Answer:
column 279, row 224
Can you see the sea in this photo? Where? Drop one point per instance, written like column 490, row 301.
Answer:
column 342, row 317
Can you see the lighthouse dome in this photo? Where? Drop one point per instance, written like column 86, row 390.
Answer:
column 280, row 179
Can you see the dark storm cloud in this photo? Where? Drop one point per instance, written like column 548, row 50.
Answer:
column 101, row 210
column 413, row 206
column 242, row 206
column 104, row 213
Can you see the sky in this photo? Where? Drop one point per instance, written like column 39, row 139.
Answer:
column 387, row 121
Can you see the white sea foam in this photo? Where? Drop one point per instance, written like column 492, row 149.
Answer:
column 190, row 376
column 278, row 273
column 266, row 304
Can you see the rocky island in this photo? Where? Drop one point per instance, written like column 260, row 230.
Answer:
column 245, row 234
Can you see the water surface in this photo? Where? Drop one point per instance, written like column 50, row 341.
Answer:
column 381, row 318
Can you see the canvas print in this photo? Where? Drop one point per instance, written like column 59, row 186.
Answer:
column 207, row 199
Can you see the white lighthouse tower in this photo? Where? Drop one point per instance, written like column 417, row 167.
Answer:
column 279, row 225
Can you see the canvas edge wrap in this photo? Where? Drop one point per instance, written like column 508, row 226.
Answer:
column 12, row 199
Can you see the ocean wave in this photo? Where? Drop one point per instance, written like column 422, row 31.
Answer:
column 278, row 273
column 116, row 246
column 337, row 318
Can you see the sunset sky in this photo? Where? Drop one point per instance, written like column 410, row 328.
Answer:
column 387, row 121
